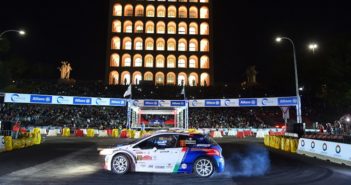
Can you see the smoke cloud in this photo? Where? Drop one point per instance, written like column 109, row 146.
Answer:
column 253, row 162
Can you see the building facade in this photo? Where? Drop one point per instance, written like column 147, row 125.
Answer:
column 163, row 42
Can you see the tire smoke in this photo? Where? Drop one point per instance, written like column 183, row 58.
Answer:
column 253, row 162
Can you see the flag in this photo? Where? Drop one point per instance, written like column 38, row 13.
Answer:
column 128, row 91
column 183, row 91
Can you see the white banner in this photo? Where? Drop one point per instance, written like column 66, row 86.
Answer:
column 337, row 152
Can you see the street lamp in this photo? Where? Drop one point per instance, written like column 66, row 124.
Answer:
column 298, row 112
column 20, row 32
column 313, row 46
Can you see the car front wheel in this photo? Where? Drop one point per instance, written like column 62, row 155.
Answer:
column 203, row 167
column 120, row 164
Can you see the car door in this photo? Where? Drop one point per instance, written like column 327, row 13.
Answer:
column 167, row 154
column 145, row 155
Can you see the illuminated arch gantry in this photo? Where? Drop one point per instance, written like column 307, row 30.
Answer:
column 164, row 42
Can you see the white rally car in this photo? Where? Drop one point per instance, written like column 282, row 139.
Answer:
column 167, row 153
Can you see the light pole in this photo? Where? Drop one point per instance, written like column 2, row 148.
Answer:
column 20, row 32
column 298, row 107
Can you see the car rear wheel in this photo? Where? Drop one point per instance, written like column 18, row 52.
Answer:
column 203, row 167
column 120, row 164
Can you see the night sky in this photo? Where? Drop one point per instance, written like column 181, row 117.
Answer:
column 76, row 31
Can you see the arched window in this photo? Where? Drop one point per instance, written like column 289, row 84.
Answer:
column 182, row 61
column 160, row 61
column 171, row 44
column 204, row 28
column 116, row 43
column 128, row 10
column 114, row 60
column 150, row 11
column 193, row 62
column 205, row 79
column 149, row 61
column 182, row 79
column 148, row 76
column 116, row 26
column 172, row 12
column 171, row 61
column 160, row 27
column 193, row 79
column 193, row 28
column 128, row 27
column 204, row 13
column 114, row 78
column 139, row 11
column 136, row 78
column 126, row 60
column 127, row 43
column 205, row 46
column 150, row 27
column 149, row 43
column 183, row 12
column 205, row 62
column 194, row 13
column 160, row 78
column 117, row 10
column 171, row 78
column 160, row 44
column 193, row 45
column 125, row 78
column 137, row 61
column 138, row 43
column 182, row 28
column 182, row 45
column 138, row 27
column 161, row 11
column 172, row 28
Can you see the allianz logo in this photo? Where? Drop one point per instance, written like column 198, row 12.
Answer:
column 213, row 102
column 288, row 100
column 41, row 99
column 249, row 102
column 82, row 100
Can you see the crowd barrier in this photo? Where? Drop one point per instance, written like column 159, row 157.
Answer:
column 66, row 132
column 283, row 143
column 9, row 144
column 216, row 134
column 326, row 150
column 2, row 143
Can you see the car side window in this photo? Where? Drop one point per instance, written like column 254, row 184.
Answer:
column 186, row 141
column 165, row 141
column 160, row 142
column 147, row 144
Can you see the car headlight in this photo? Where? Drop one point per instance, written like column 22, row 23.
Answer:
column 107, row 151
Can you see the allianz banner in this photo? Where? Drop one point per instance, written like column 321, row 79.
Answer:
column 62, row 100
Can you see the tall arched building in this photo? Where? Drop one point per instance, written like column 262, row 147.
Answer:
column 163, row 42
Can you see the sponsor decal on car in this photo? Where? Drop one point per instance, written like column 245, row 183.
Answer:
column 203, row 145
column 144, row 158
column 159, row 167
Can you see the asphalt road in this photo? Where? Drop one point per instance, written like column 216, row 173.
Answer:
column 76, row 161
